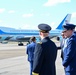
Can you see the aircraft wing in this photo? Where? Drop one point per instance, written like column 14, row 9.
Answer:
column 5, row 37
column 21, row 38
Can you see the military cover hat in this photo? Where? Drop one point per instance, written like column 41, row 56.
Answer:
column 44, row 27
column 69, row 27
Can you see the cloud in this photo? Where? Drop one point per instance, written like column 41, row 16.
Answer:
column 74, row 15
column 2, row 10
column 54, row 2
column 11, row 11
column 27, row 15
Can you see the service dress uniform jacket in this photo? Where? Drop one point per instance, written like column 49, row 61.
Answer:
column 30, row 51
column 44, row 57
column 69, row 55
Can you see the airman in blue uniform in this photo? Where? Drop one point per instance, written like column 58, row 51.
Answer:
column 30, row 52
column 45, row 53
column 69, row 51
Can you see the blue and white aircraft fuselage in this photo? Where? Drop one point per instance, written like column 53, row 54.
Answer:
column 19, row 35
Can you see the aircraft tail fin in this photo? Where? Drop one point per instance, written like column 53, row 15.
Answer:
column 64, row 21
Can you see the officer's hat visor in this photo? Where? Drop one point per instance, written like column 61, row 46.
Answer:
column 44, row 28
column 68, row 27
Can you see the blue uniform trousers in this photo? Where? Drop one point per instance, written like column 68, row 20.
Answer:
column 31, row 67
column 70, row 73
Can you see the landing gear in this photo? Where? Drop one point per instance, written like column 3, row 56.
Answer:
column 58, row 39
column 28, row 42
column 20, row 44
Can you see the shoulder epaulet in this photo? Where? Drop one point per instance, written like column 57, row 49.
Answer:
column 39, row 42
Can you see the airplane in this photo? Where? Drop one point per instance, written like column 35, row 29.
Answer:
column 19, row 35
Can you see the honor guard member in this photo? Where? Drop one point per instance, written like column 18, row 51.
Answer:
column 30, row 52
column 69, row 51
column 45, row 53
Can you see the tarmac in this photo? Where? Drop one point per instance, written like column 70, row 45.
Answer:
column 13, row 60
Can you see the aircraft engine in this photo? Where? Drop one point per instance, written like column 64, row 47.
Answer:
column 59, row 38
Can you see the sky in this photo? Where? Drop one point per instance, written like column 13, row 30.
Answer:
column 27, row 14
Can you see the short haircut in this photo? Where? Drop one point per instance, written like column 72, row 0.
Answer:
column 32, row 38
